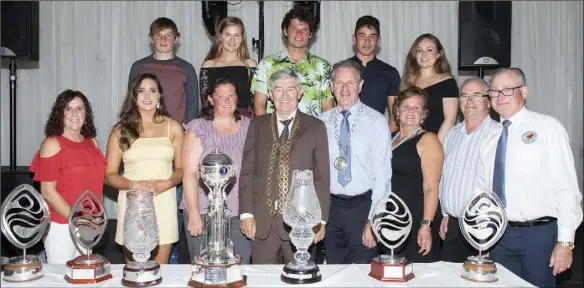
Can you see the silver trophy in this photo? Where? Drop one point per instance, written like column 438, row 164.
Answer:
column 391, row 224
column 302, row 212
column 483, row 223
column 140, row 238
column 217, row 265
column 25, row 220
column 87, row 223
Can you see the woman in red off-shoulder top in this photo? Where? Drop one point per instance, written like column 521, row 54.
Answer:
column 68, row 163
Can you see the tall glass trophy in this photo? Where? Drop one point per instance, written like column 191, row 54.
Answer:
column 87, row 223
column 483, row 223
column 217, row 265
column 24, row 220
column 391, row 224
column 141, row 237
column 302, row 212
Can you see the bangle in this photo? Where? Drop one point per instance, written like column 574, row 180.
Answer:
column 132, row 185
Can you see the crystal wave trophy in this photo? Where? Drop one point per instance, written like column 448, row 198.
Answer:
column 483, row 223
column 140, row 238
column 24, row 221
column 87, row 223
column 391, row 224
column 217, row 265
column 302, row 212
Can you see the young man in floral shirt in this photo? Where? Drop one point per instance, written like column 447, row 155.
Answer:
column 298, row 26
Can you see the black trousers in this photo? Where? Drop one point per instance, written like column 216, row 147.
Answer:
column 344, row 230
column 454, row 247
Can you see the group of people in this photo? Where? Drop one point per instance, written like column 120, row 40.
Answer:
column 293, row 110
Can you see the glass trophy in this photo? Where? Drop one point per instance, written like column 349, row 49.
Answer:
column 483, row 223
column 24, row 221
column 140, row 238
column 391, row 224
column 87, row 223
column 302, row 212
column 217, row 265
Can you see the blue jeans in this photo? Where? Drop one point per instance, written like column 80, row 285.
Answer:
column 174, row 252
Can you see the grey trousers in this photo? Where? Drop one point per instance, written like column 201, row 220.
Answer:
column 242, row 245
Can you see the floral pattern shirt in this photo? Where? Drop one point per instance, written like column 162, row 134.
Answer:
column 313, row 71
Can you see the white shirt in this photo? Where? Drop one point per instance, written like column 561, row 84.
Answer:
column 461, row 158
column 540, row 177
column 370, row 153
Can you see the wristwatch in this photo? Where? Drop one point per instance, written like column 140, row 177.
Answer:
column 427, row 223
column 569, row 245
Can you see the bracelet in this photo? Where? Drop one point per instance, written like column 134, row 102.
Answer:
column 132, row 185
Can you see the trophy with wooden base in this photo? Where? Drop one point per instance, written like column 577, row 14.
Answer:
column 483, row 223
column 87, row 223
column 217, row 265
column 24, row 220
column 391, row 223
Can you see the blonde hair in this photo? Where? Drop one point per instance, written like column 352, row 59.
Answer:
column 216, row 50
column 411, row 68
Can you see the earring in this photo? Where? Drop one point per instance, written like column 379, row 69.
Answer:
column 158, row 105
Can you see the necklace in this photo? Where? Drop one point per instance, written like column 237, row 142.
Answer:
column 412, row 134
column 340, row 162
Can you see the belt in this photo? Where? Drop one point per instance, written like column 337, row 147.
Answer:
column 363, row 196
column 531, row 223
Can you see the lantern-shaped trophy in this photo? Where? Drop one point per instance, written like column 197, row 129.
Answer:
column 391, row 223
column 24, row 221
column 140, row 238
column 87, row 223
column 302, row 212
column 483, row 223
column 217, row 265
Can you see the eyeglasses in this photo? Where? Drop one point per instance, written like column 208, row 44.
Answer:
column 473, row 97
column 493, row 93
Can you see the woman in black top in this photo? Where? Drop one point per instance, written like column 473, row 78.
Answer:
column 229, row 57
column 427, row 67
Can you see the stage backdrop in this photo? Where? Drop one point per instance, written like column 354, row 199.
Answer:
column 90, row 46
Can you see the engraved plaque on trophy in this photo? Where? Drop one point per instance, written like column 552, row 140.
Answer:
column 87, row 223
column 483, row 223
column 140, row 238
column 217, row 265
column 25, row 219
column 302, row 212
column 391, row 224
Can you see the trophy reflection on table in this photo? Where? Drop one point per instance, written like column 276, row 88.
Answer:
column 24, row 220
column 302, row 212
column 483, row 223
column 87, row 223
column 391, row 224
column 140, row 238
column 217, row 265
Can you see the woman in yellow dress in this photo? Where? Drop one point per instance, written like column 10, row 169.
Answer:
column 149, row 143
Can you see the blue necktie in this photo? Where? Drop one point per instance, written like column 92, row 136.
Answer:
column 499, row 171
column 344, row 176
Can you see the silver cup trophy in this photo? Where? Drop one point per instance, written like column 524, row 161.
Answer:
column 302, row 213
column 25, row 220
column 87, row 223
column 483, row 223
column 217, row 265
column 140, row 238
column 391, row 224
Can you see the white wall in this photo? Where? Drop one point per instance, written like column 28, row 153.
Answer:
column 90, row 46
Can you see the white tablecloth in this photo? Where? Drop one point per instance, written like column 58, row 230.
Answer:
column 437, row 274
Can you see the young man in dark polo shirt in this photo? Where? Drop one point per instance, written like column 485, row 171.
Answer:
column 180, row 89
column 381, row 79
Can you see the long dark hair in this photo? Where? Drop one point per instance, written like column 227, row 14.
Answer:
column 130, row 119
column 411, row 68
column 55, row 125
column 208, row 111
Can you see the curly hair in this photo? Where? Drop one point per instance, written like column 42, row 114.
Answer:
column 55, row 124
column 411, row 67
column 207, row 111
column 407, row 94
column 302, row 14
column 130, row 119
